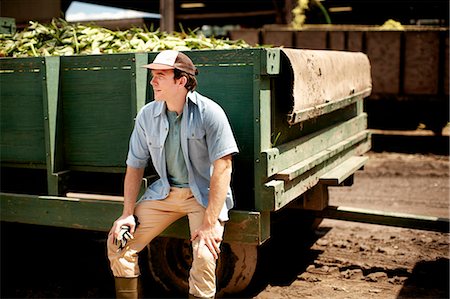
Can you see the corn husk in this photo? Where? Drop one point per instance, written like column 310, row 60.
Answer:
column 61, row 38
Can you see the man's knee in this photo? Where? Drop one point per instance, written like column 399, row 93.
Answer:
column 203, row 256
column 123, row 263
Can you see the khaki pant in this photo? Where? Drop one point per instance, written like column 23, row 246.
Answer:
column 154, row 217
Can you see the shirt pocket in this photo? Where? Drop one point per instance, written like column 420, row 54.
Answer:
column 154, row 142
column 196, row 133
column 198, row 151
column 155, row 148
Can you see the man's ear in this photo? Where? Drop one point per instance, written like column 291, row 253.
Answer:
column 183, row 81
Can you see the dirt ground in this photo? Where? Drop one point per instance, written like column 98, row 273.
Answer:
column 355, row 260
column 338, row 260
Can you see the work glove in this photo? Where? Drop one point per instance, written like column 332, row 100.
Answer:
column 124, row 236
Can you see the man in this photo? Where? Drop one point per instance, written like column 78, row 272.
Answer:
column 190, row 143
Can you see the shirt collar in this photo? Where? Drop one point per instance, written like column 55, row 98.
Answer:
column 161, row 106
column 191, row 96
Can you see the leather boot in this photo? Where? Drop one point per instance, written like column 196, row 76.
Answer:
column 127, row 288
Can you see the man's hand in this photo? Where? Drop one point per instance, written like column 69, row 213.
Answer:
column 121, row 222
column 123, row 238
column 211, row 236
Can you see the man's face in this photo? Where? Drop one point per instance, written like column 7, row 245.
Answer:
column 164, row 85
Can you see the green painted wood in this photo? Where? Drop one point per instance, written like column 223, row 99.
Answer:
column 278, row 193
column 53, row 127
column 141, row 84
column 265, row 120
column 59, row 211
column 288, row 154
column 96, row 93
column 22, row 137
column 271, row 63
column 263, row 131
column 243, row 227
column 7, row 25
column 303, row 166
column 339, row 174
column 23, row 165
column 224, row 58
column 316, row 111
column 51, row 110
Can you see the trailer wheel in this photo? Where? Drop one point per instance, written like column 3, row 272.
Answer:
column 170, row 259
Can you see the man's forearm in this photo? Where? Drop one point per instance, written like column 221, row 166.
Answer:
column 220, row 181
column 132, row 186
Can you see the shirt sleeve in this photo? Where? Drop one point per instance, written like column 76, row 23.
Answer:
column 138, row 152
column 219, row 135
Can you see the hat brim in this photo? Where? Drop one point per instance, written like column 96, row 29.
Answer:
column 158, row 66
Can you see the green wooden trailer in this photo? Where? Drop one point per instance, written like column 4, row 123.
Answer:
column 297, row 116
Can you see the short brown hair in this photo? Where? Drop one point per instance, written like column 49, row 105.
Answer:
column 191, row 83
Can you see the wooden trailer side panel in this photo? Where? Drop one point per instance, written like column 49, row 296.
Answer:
column 22, row 115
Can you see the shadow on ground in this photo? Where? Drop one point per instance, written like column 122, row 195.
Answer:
column 429, row 279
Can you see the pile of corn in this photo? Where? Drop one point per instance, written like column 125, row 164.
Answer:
column 61, row 38
column 392, row 25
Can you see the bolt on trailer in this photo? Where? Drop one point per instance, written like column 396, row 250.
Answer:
column 297, row 116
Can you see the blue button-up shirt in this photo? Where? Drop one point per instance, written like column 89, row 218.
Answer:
column 206, row 136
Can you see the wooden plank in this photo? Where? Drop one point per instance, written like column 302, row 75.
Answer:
column 321, row 109
column 300, row 168
column 262, row 121
column 22, row 136
column 249, row 35
column 355, row 41
column 421, row 62
column 281, row 157
column 315, row 40
column 54, row 146
column 141, row 85
column 97, row 96
column 59, row 211
column 52, row 107
column 243, row 227
column 167, row 11
column 279, row 193
column 339, row 174
column 385, row 218
column 223, row 15
column 223, row 58
column 407, row 132
column 94, row 196
column 383, row 49
column 336, row 40
column 278, row 38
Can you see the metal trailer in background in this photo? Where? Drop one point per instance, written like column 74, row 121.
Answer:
column 297, row 115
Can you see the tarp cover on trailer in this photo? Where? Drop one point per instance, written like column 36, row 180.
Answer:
column 322, row 77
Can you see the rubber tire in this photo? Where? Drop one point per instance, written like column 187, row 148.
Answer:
column 169, row 261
